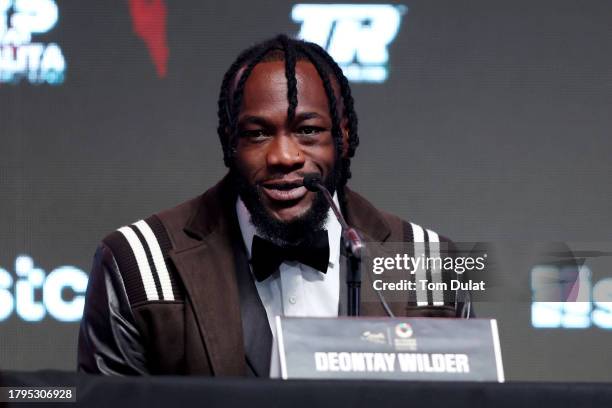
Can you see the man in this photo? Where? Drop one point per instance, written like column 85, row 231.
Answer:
column 195, row 289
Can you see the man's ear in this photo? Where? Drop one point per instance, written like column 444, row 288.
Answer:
column 345, row 137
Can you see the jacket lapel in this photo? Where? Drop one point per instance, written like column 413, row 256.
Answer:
column 363, row 216
column 207, row 271
column 231, row 318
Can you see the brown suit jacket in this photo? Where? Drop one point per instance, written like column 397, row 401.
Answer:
column 197, row 311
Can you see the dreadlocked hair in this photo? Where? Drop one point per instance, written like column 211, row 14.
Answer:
column 283, row 48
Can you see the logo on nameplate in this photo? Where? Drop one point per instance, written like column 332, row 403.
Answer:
column 403, row 337
column 373, row 337
column 403, row 330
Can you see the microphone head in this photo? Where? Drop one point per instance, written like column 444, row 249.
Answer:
column 312, row 181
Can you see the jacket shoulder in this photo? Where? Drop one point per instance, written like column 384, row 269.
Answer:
column 141, row 252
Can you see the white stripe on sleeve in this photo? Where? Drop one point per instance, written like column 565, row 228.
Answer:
column 158, row 259
column 420, row 274
column 436, row 272
column 143, row 264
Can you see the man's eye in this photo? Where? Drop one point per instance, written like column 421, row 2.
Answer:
column 253, row 134
column 309, row 130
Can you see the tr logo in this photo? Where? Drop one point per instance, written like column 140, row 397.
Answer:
column 357, row 36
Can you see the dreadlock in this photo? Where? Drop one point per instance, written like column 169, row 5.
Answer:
column 288, row 50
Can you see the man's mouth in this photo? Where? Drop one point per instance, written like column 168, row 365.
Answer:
column 285, row 191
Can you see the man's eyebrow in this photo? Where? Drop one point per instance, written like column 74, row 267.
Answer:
column 255, row 120
column 258, row 120
column 307, row 115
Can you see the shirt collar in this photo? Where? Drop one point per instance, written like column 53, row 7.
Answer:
column 333, row 227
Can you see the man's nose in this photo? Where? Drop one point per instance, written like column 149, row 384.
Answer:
column 285, row 152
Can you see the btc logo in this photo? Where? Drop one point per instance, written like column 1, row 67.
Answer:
column 357, row 36
column 23, row 295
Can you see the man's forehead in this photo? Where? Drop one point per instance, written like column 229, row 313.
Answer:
column 275, row 69
column 267, row 83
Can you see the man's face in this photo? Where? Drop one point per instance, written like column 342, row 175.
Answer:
column 273, row 153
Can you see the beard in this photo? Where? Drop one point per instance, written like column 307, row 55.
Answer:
column 284, row 233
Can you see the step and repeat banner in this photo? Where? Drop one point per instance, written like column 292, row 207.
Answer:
column 485, row 121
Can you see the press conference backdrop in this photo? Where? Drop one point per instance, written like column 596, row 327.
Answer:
column 483, row 120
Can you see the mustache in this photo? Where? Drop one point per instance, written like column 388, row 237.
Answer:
column 283, row 186
column 282, row 181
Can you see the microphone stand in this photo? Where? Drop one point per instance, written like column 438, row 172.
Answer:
column 353, row 283
column 352, row 242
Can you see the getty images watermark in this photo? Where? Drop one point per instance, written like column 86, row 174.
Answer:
column 431, row 272
column 420, row 266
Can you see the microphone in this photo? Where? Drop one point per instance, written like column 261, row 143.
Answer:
column 352, row 242
column 312, row 182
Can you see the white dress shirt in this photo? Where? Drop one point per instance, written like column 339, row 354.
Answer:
column 297, row 289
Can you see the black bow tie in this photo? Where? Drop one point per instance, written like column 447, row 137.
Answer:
column 266, row 256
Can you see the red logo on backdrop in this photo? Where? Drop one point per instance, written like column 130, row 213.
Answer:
column 149, row 21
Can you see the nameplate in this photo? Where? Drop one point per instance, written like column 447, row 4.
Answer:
column 432, row 349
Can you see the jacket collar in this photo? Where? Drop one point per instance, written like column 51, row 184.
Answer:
column 363, row 216
column 215, row 208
